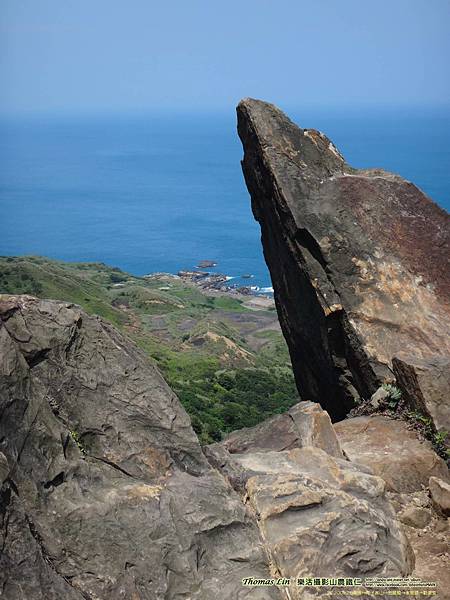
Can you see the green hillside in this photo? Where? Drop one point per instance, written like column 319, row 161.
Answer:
column 227, row 362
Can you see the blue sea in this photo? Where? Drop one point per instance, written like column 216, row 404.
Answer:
column 160, row 192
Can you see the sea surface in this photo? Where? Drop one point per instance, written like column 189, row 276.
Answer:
column 160, row 192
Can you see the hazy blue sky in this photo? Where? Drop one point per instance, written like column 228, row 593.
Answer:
column 93, row 55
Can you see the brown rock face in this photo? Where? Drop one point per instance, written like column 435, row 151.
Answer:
column 316, row 511
column 440, row 493
column 304, row 424
column 359, row 259
column 405, row 462
column 391, row 450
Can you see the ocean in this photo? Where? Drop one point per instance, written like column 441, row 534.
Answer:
column 159, row 192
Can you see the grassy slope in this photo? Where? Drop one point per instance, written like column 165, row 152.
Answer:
column 229, row 365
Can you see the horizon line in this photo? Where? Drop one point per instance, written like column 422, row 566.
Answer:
column 218, row 109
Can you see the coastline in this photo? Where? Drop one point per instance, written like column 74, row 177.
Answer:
column 215, row 284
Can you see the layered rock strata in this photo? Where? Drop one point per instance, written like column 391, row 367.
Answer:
column 318, row 513
column 359, row 261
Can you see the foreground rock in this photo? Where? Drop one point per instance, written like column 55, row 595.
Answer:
column 317, row 512
column 359, row 261
column 440, row 494
column 428, row 533
column 415, row 516
column 405, row 463
column 305, row 424
column 391, row 450
column 105, row 491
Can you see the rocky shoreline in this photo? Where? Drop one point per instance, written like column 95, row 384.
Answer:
column 217, row 284
column 220, row 282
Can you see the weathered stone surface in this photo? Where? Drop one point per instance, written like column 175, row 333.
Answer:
column 426, row 385
column 4, row 468
column 304, row 424
column 415, row 516
column 359, row 259
column 442, row 527
column 440, row 494
column 394, row 452
column 432, row 552
column 318, row 513
column 106, row 491
column 426, row 531
column 379, row 397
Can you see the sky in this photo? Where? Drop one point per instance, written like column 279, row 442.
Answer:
column 138, row 55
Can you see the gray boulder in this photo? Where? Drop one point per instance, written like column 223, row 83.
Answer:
column 415, row 516
column 440, row 494
column 106, row 493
